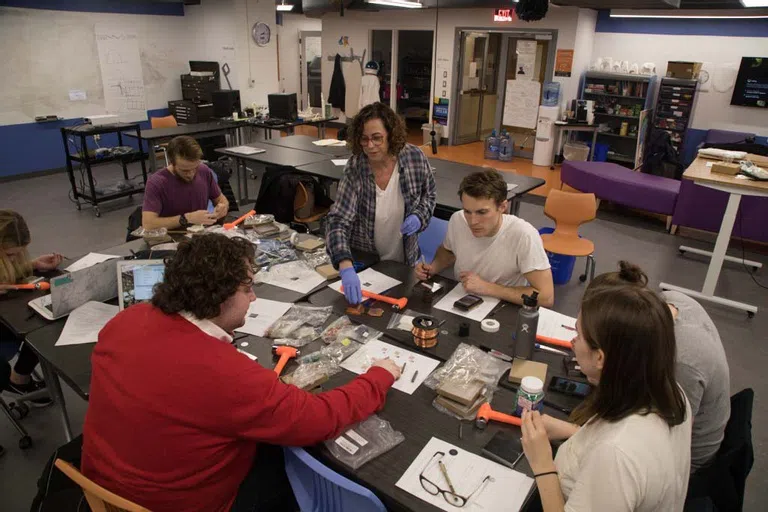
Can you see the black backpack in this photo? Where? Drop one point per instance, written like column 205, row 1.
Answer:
column 661, row 158
column 278, row 191
column 55, row 491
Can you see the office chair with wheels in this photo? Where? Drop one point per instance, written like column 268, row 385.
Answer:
column 99, row 499
column 162, row 122
column 320, row 489
column 570, row 210
column 14, row 411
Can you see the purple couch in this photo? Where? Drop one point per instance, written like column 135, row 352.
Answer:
column 618, row 184
column 703, row 208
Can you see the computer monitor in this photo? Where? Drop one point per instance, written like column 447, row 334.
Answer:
column 283, row 106
column 136, row 280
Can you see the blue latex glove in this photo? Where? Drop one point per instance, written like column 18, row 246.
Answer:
column 351, row 283
column 411, row 225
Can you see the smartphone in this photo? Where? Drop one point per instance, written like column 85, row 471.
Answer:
column 570, row 387
column 504, row 448
column 468, row 302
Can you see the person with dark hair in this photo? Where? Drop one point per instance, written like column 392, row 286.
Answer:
column 385, row 199
column 15, row 266
column 701, row 365
column 628, row 447
column 492, row 253
column 179, row 419
column 178, row 195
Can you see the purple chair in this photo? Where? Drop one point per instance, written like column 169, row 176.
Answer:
column 618, row 184
column 703, row 208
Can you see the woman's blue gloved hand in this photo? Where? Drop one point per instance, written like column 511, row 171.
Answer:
column 411, row 225
column 351, row 283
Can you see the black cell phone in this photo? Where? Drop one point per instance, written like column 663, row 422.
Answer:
column 504, row 448
column 468, row 302
column 570, row 387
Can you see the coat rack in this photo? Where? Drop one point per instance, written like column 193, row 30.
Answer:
column 352, row 58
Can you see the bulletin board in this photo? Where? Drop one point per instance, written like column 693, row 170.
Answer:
column 521, row 103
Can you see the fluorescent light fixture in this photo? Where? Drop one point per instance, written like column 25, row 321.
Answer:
column 397, row 3
column 283, row 7
column 754, row 3
column 693, row 14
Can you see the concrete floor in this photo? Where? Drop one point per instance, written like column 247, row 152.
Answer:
column 57, row 226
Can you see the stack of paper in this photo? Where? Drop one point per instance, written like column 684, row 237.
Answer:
column 294, row 275
column 262, row 313
column 85, row 322
column 556, row 325
column 372, row 281
column 478, row 313
column 329, row 142
column 246, row 150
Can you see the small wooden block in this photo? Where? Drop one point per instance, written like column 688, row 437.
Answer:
column 355, row 310
column 464, row 411
column 463, row 393
column 525, row 368
column 327, row 271
column 726, row 168
column 310, row 245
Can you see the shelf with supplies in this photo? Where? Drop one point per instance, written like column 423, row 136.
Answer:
column 82, row 162
column 674, row 108
column 604, row 114
column 609, row 134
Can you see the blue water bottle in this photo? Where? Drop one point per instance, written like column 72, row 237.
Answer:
column 505, row 147
column 492, row 147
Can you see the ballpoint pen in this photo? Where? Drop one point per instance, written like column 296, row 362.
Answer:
column 445, row 475
column 551, row 350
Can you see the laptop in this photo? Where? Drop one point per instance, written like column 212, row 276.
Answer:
column 72, row 290
column 136, row 280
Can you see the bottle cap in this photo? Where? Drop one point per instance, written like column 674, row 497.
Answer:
column 532, row 384
column 531, row 300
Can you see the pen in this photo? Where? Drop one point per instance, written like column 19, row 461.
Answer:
column 551, row 350
column 517, row 459
column 415, row 374
column 568, row 327
column 402, row 370
column 445, row 475
column 497, row 308
column 423, row 261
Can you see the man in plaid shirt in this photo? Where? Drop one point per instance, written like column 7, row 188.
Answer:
column 385, row 199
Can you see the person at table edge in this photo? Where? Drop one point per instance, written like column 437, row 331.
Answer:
column 177, row 195
column 179, row 419
column 493, row 253
column 385, row 198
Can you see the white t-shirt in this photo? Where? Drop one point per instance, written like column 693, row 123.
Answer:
column 636, row 464
column 390, row 211
column 504, row 258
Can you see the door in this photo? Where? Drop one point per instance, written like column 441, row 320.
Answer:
column 310, row 61
column 526, row 56
column 477, row 87
column 381, row 53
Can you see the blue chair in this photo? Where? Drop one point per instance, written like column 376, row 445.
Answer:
column 319, row 489
column 431, row 238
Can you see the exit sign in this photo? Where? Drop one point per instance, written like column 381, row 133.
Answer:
column 504, row 15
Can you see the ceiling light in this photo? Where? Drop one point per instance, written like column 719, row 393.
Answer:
column 283, row 7
column 692, row 14
column 754, row 3
column 397, row 3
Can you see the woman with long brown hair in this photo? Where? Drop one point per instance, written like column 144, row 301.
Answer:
column 628, row 447
column 15, row 266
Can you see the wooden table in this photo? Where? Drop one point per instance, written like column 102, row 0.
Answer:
column 701, row 174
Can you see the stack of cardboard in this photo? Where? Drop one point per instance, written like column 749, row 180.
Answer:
column 461, row 398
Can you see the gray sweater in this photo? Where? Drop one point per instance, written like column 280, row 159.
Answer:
column 702, row 372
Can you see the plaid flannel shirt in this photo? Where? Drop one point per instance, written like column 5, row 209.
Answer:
column 351, row 219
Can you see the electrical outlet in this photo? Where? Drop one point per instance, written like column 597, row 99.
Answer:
column 251, row 83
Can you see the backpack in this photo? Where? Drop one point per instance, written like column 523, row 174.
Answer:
column 55, row 491
column 278, row 191
column 661, row 158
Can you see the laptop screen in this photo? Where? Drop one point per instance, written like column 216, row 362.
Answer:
column 137, row 279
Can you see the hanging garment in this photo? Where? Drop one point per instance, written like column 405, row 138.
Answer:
column 369, row 90
column 338, row 93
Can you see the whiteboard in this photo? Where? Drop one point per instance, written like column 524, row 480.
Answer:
column 121, row 75
column 521, row 103
column 48, row 54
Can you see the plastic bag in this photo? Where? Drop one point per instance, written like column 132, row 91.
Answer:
column 317, row 258
column 300, row 323
column 364, row 442
column 337, row 352
column 343, row 327
column 309, row 376
column 274, row 252
column 334, row 331
column 468, row 363
column 402, row 321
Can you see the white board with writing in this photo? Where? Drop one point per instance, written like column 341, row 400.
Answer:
column 121, row 72
column 521, row 103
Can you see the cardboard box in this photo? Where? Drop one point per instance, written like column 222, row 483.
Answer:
column 726, row 168
column 687, row 70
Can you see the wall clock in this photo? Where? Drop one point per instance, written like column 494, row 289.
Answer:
column 261, row 33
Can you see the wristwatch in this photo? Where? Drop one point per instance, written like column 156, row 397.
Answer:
column 183, row 222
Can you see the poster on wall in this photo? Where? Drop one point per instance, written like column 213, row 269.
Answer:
column 521, row 103
column 526, row 60
column 121, row 73
column 563, row 62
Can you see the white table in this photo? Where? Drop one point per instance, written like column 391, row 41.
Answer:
column 702, row 175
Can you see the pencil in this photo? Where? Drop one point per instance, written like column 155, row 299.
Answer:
column 445, row 474
column 415, row 374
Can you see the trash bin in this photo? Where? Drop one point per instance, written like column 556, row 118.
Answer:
column 575, row 151
column 562, row 265
column 426, row 128
column 601, row 151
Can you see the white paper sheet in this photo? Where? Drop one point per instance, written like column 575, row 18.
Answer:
column 478, row 313
column 262, row 313
column 556, row 325
column 89, row 260
column 360, row 361
column 246, row 150
column 511, row 186
column 506, row 489
column 339, row 161
column 85, row 322
column 294, row 275
column 329, row 142
column 372, row 281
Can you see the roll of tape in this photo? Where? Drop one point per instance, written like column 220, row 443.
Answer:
column 490, row 325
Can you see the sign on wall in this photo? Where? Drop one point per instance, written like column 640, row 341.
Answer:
column 504, row 15
column 564, row 63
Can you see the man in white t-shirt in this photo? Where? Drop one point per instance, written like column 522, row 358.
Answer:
column 493, row 253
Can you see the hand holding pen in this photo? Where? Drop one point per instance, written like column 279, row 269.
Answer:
column 423, row 269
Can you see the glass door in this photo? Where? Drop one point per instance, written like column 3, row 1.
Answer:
column 526, row 57
column 310, row 61
column 381, row 53
column 477, row 87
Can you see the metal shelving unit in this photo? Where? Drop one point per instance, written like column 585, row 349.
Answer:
column 674, row 107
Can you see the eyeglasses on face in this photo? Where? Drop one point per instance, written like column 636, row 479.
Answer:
column 377, row 140
column 452, row 498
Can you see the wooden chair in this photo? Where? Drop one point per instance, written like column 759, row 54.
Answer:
column 99, row 499
column 311, row 214
column 570, row 210
column 162, row 122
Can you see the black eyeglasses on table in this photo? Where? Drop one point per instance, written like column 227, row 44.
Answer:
column 432, row 488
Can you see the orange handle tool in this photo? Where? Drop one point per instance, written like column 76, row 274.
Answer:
column 281, row 363
column 35, row 286
column 554, row 341
column 230, row 225
column 285, row 354
column 398, row 303
column 486, row 414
